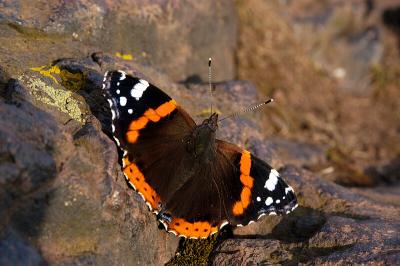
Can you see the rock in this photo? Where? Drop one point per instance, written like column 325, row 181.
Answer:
column 355, row 241
column 296, row 153
column 76, row 215
column 166, row 34
column 63, row 198
column 331, row 226
column 63, row 195
column 326, row 64
column 250, row 252
column 14, row 250
column 352, row 32
column 82, row 205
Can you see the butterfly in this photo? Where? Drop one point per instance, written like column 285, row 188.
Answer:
column 194, row 183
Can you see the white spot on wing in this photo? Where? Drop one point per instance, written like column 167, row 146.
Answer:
column 144, row 82
column 118, row 91
column 130, row 111
column 272, row 180
column 113, row 114
column 123, row 75
column 112, row 128
column 122, row 101
column 275, row 172
column 287, row 189
column 258, row 199
column 278, row 201
column 138, row 89
column 269, row 201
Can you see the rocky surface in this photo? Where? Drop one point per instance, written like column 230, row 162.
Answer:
column 63, row 198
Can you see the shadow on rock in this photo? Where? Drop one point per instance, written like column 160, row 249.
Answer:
column 391, row 18
column 303, row 224
column 27, row 139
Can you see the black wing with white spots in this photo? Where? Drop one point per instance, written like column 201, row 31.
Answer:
column 263, row 191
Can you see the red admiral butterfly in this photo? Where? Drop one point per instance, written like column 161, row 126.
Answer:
column 193, row 182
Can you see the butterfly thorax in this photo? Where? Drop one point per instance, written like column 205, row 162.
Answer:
column 201, row 143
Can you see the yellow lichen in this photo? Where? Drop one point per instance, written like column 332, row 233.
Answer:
column 62, row 99
column 47, row 71
column 127, row 57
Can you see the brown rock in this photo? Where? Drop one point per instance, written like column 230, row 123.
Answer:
column 63, row 195
column 250, row 252
column 172, row 36
column 331, row 226
column 63, row 199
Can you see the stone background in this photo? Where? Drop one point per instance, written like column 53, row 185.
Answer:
column 331, row 66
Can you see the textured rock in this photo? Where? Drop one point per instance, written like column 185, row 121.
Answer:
column 16, row 251
column 331, row 226
column 334, row 67
column 63, row 197
column 250, row 252
column 172, row 36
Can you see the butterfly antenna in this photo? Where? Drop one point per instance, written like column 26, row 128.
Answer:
column 252, row 108
column 209, row 83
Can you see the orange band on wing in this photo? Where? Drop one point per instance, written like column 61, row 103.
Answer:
column 132, row 136
column 139, row 123
column 152, row 115
column 238, row 208
column 149, row 115
column 166, row 108
column 245, row 163
column 245, row 197
column 197, row 229
column 247, row 181
column 138, row 180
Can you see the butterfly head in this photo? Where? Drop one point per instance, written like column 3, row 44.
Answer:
column 202, row 140
column 211, row 122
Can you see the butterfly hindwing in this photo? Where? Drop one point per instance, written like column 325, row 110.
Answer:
column 263, row 191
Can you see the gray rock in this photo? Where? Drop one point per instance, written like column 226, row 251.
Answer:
column 14, row 250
